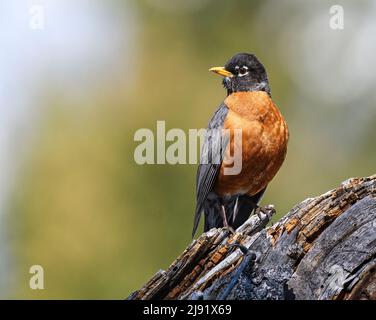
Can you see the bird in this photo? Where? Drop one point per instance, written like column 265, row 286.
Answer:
column 228, row 200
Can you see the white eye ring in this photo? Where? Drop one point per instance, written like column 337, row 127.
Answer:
column 243, row 68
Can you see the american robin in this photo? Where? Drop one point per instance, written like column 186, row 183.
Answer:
column 228, row 199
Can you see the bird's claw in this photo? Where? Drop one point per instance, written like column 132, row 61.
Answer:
column 230, row 230
column 268, row 211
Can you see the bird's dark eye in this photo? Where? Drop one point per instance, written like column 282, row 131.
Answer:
column 242, row 70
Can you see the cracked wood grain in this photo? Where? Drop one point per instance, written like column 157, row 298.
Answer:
column 324, row 248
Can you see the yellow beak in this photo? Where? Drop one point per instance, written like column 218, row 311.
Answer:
column 221, row 71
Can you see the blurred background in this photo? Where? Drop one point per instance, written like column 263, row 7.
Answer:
column 75, row 87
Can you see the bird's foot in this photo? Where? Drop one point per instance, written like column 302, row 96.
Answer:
column 268, row 211
column 230, row 230
column 226, row 225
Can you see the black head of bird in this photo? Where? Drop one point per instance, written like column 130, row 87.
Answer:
column 243, row 72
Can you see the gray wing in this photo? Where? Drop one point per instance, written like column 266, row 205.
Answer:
column 208, row 168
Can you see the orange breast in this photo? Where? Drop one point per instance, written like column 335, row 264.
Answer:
column 263, row 143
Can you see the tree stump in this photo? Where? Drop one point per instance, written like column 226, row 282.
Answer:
column 324, row 248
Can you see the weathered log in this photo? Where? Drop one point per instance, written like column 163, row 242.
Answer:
column 324, row 248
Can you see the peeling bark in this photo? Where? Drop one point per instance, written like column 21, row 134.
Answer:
column 324, row 248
